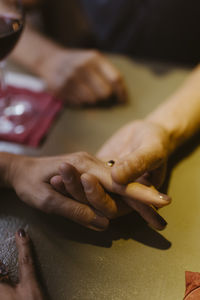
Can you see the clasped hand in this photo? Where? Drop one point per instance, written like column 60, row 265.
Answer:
column 86, row 190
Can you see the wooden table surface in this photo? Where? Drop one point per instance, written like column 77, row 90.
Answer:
column 130, row 261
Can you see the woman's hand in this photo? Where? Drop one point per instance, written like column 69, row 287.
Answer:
column 141, row 150
column 32, row 180
column 82, row 77
column 28, row 287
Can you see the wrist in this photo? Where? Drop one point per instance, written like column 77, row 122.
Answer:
column 6, row 163
column 167, row 135
column 50, row 63
column 175, row 130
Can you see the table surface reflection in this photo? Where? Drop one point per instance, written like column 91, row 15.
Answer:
column 130, row 260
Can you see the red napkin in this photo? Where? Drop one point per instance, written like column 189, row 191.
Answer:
column 27, row 116
column 192, row 280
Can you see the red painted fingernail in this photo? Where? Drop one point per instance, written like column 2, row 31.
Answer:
column 21, row 233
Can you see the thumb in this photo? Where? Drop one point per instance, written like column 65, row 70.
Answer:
column 135, row 164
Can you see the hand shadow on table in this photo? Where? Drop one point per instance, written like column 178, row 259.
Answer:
column 108, row 103
column 131, row 226
column 128, row 227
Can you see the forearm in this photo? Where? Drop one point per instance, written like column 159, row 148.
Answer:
column 33, row 49
column 180, row 114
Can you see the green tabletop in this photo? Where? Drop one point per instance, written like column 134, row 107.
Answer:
column 130, row 260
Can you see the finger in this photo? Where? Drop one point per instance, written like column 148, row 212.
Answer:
column 83, row 94
column 98, row 83
column 115, row 78
column 148, row 213
column 145, row 194
column 133, row 165
column 72, row 182
column 77, row 92
column 58, row 185
column 78, row 212
column 148, row 195
column 25, row 258
column 105, row 204
column 97, row 196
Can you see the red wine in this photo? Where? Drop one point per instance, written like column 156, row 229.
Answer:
column 10, row 30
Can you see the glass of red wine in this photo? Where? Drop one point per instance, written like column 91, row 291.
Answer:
column 13, row 107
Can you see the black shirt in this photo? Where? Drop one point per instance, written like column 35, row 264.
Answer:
column 155, row 29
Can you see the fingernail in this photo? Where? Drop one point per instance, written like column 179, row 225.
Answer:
column 165, row 197
column 21, row 233
column 100, row 223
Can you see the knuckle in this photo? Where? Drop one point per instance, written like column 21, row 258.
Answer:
column 82, row 154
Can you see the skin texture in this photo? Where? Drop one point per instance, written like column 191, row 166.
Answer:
column 108, row 204
column 142, row 140
column 150, row 142
column 28, row 287
column 31, row 178
column 141, row 149
column 138, row 147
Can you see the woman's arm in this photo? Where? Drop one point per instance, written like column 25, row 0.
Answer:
column 180, row 114
column 144, row 146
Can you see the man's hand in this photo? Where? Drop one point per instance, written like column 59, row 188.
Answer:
column 28, row 287
column 82, row 77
